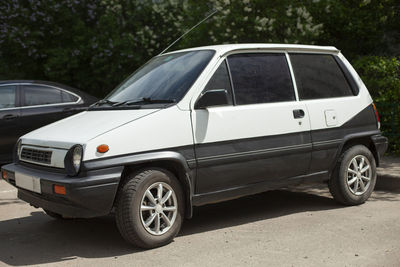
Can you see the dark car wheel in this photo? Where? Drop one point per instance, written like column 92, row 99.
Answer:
column 354, row 177
column 150, row 208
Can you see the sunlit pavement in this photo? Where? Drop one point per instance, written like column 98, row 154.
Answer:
column 299, row 226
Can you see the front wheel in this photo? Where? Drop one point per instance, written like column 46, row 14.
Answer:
column 150, row 208
column 354, row 177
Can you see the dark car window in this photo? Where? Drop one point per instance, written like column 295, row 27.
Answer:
column 67, row 97
column 260, row 78
column 319, row 76
column 7, row 96
column 220, row 80
column 34, row 95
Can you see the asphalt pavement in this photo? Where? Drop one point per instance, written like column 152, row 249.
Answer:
column 298, row 226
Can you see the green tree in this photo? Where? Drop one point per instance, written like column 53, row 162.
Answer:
column 366, row 27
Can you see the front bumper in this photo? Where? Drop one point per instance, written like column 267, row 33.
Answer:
column 89, row 196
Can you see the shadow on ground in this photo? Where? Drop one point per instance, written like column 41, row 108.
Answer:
column 38, row 239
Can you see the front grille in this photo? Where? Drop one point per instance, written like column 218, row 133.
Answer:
column 35, row 155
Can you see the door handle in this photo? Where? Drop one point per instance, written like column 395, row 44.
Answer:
column 298, row 113
column 9, row 117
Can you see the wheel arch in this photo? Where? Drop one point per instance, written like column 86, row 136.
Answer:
column 357, row 139
column 171, row 161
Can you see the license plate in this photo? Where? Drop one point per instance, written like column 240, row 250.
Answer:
column 28, row 182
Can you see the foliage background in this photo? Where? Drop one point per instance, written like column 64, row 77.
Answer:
column 95, row 44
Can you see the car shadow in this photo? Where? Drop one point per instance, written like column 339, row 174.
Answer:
column 39, row 239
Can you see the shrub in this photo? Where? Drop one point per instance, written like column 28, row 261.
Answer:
column 381, row 75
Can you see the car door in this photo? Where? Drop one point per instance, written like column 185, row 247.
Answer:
column 42, row 105
column 262, row 137
column 335, row 110
column 9, row 121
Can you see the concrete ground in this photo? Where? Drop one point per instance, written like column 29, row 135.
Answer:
column 299, row 226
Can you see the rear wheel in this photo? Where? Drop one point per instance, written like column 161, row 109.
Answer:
column 150, row 208
column 354, row 177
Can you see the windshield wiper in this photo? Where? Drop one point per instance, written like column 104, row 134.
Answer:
column 144, row 100
column 102, row 102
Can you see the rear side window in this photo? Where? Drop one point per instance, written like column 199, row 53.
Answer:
column 220, row 80
column 35, row 95
column 7, row 96
column 67, row 97
column 319, row 76
column 260, row 78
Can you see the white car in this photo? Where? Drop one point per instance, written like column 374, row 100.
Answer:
column 203, row 125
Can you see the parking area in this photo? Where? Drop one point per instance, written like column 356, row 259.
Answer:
column 299, row 226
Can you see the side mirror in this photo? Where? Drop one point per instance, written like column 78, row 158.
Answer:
column 215, row 97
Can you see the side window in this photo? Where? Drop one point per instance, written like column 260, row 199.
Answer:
column 220, row 80
column 7, row 96
column 260, row 78
column 40, row 95
column 67, row 97
column 319, row 76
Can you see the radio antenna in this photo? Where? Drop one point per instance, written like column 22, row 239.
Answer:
column 174, row 42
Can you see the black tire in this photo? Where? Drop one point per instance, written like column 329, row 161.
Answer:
column 129, row 215
column 54, row 215
column 338, row 184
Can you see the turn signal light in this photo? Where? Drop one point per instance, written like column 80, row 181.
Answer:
column 102, row 148
column 60, row 189
column 4, row 175
column 377, row 116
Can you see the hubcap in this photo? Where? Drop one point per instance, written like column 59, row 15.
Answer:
column 158, row 209
column 359, row 175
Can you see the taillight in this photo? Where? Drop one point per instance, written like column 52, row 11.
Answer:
column 377, row 116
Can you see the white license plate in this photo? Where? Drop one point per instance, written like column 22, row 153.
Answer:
column 28, row 182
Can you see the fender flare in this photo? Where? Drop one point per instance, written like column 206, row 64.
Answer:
column 148, row 158
column 347, row 138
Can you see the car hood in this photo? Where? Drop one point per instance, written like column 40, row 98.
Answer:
column 82, row 127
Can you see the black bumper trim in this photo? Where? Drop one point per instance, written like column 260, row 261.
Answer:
column 89, row 196
column 381, row 145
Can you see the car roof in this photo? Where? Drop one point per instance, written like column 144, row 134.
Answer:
column 225, row 48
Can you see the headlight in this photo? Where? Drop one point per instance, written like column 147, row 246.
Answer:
column 73, row 160
column 19, row 148
column 17, row 151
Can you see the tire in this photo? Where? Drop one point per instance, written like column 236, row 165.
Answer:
column 134, row 208
column 351, row 185
column 54, row 215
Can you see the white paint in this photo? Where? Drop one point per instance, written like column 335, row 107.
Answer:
column 133, row 131
column 169, row 127
column 82, row 127
column 247, row 121
column 330, row 117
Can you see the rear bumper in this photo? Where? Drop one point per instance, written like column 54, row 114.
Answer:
column 381, row 145
column 89, row 196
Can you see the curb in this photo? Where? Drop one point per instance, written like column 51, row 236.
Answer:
column 388, row 182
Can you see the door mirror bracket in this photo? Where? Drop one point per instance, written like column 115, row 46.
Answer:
column 211, row 98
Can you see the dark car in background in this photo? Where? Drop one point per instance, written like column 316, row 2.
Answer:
column 28, row 105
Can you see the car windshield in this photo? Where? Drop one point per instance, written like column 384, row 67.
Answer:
column 166, row 77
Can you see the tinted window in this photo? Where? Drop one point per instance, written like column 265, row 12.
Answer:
column 7, row 96
column 220, row 80
column 40, row 95
column 163, row 77
column 260, row 78
column 67, row 97
column 319, row 76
